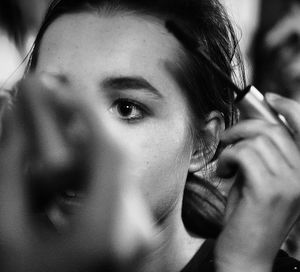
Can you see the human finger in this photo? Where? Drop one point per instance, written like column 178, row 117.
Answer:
column 271, row 156
column 240, row 158
column 280, row 138
column 112, row 191
column 106, row 215
column 16, row 235
column 256, row 165
column 290, row 109
column 46, row 139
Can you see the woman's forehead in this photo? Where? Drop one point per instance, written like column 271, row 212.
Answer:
column 92, row 46
column 120, row 42
column 117, row 36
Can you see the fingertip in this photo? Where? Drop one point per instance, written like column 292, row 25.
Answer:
column 229, row 136
column 289, row 108
column 226, row 170
column 272, row 98
column 53, row 81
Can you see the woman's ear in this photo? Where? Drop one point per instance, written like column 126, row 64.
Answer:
column 205, row 148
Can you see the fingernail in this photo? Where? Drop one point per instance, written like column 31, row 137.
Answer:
column 52, row 80
column 272, row 96
column 49, row 81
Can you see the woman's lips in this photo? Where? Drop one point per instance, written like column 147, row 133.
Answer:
column 70, row 201
column 73, row 195
column 63, row 207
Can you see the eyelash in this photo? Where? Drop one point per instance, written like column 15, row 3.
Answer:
column 135, row 106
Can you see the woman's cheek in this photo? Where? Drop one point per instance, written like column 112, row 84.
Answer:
column 157, row 147
column 159, row 165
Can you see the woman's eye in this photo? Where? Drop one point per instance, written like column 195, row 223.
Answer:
column 127, row 110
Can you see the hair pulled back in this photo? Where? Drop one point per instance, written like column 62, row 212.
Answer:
column 208, row 23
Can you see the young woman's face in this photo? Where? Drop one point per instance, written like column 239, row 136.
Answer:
column 122, row 58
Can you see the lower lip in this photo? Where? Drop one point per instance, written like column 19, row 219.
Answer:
column 69, row 203
column 62, row 209
column 65, row 205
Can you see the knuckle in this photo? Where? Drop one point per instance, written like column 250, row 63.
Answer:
column 289, row 192
column 261, row 141
column 280, row 132
column 276, row 197
column 274, row 190
column 274, row 133
column 240, row 150
column 271, row 194
column 274, row 130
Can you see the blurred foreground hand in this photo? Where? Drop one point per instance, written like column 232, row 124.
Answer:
column 111, row 231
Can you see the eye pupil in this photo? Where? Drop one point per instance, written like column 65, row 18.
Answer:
column 128, row 110
column 125, row 109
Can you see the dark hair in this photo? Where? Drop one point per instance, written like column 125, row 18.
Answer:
column 207, row 21
column 12, row 21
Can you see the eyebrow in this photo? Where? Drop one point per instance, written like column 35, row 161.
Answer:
column 128, row 82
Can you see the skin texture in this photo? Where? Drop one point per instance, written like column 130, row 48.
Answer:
column 89, row 51
column 119, row 47
column 264, row 202
column 152, row 152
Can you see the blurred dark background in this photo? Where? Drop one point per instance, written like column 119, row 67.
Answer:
column 19, row 22
column 19, row 18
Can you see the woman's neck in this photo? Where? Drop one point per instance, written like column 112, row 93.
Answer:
column 175, row 246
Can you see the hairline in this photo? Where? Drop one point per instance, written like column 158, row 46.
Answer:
column 111, row 10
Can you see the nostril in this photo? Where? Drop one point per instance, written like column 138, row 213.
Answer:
column 294, row 39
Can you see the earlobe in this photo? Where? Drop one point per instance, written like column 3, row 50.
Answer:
column 205, row 148
column 197, row 161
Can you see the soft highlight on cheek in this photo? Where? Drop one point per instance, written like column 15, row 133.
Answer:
column 166, row 170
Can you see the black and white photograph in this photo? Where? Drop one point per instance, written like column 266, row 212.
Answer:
column 149, row 135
